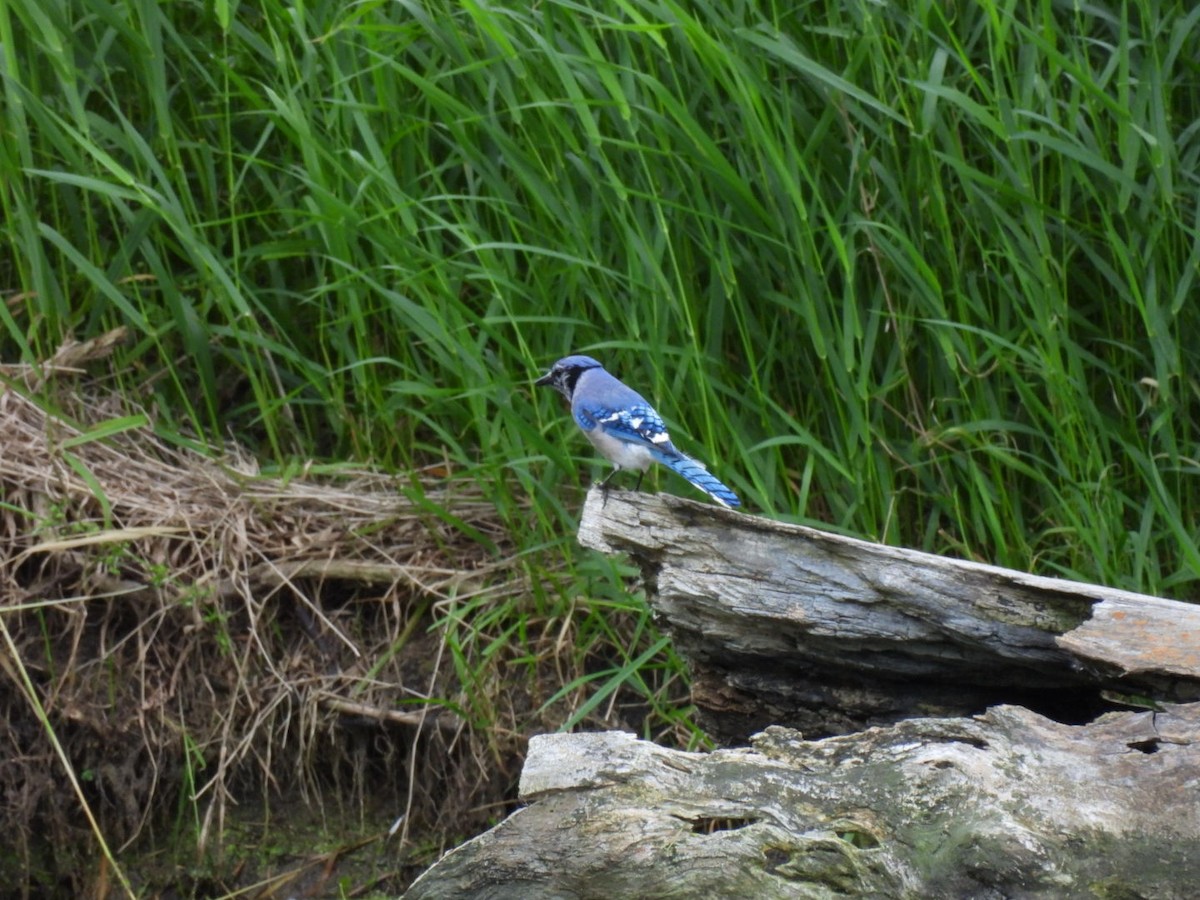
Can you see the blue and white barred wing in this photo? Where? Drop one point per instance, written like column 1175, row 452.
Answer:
column 636, row 424
column 641, row 425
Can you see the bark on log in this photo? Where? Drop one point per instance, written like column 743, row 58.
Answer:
column 786, row 625
column 1008, row 804
column 783, row 624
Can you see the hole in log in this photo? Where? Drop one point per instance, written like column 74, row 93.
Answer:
column 1150, row 745
column 863, row 840
column 977, row 743
column 1064, row 705
column 709, row 825
column 775, row 857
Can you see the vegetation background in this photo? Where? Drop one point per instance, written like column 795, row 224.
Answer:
column 921, row 272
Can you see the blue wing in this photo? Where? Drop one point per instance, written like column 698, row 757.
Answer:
column 634, row 424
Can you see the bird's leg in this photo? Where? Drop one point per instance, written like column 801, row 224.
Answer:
column 637, row 487
column 604, row 485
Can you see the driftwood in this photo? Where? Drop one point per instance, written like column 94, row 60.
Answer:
column 1009, row 804
column 787, row 625
column 965, row 749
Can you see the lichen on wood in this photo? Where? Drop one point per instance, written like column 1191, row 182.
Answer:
column 1005, row 804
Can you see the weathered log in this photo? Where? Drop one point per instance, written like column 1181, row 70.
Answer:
column 1007, row 804
column 783, row 624
column 786, row 624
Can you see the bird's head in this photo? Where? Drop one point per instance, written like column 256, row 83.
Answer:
column 565, row 373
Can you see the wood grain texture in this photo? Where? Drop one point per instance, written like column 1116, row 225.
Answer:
column 783, row 624
column 1007, row 804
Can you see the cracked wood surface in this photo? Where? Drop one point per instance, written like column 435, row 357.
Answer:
column 920, row 792
column 1007, row 804
column 783, row 624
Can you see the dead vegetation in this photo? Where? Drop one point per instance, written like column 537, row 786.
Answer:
column 197, row 634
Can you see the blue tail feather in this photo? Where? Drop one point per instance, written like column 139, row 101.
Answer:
column 695, row 472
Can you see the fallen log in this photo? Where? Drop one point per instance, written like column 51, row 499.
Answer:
column 783, row 624
column 1008, row 804
column 965, row 748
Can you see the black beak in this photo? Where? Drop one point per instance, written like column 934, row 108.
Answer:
column 546, row 379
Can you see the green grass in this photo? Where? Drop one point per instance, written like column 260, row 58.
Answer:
column 924, row 276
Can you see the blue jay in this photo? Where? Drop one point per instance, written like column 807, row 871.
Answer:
column 623, row 426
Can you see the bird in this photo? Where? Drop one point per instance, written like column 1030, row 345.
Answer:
column 623, row 426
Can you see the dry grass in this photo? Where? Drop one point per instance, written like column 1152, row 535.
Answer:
column 195, row 632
